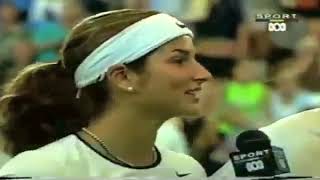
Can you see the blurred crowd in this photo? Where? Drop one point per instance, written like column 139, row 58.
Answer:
column 259, row 77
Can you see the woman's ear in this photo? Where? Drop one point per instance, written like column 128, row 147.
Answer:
column 122, row 78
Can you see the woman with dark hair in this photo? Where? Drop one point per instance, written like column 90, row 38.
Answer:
column 97, row 111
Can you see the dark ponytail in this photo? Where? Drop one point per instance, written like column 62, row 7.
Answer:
column 42, row 107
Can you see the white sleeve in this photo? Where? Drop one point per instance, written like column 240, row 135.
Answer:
column 32, row 164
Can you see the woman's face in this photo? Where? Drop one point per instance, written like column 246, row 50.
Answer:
column 172, row 79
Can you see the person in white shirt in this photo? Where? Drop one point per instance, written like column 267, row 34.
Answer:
column 97, row 110
column 299, row 136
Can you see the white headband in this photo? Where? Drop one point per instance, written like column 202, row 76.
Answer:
column 129, row 45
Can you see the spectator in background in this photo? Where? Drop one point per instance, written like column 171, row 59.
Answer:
column 12, row 31
column 47, row 38
column 247, row 98
column 76, row 10
column 73, row 11
column 288, row 97
column 45, row 10
column 68, row 13
column 52, row 10
column 47, row 30
column 23, row 55
column 307, row 48
column 22, row 5
column 308, row 56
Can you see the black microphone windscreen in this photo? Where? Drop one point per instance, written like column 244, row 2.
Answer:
column 253, row 140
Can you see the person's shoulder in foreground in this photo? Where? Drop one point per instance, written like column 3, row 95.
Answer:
column 299, row 136
column 305, row 119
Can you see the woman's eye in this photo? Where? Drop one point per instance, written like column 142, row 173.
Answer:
column 179, row 60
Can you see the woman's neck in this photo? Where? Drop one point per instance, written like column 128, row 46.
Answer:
column 129, row 135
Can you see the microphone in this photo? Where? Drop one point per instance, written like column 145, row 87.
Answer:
column 256, row 157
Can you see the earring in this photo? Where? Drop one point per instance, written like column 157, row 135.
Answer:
column 130, row 88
